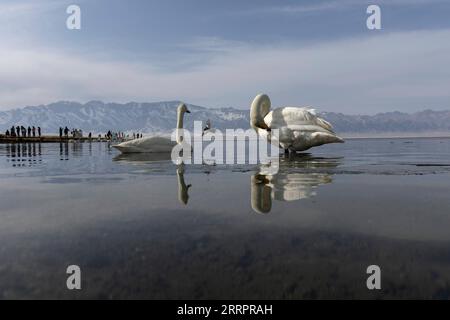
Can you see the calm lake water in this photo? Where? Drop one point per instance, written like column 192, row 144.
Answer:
column 141, row 227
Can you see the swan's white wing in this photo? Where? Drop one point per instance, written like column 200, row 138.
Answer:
column 284, row 139
column 301, row 137
column 293, row 116
column 147, row 144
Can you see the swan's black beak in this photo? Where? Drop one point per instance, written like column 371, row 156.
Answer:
column 188, row 111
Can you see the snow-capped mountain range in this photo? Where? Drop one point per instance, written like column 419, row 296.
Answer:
column 99, row 117
column 160, row 117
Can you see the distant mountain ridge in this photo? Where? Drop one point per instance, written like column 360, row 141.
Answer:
column 391, row 122
column 99, row 117
column 160, row 117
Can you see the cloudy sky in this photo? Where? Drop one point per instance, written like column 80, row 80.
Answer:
column 222, row 53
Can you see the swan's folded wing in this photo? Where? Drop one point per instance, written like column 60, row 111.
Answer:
column 287, row 116
column 147, row 144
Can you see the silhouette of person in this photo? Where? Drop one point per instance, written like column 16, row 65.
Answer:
column 29, row 131
column 7, row 133
column 34, row 131
column 60, row 132
column 39, row 132
column 18, row 131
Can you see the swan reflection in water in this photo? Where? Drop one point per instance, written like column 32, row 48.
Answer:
column 297, row 178
column 145, row 158
column 140, row 158
column 183, row 189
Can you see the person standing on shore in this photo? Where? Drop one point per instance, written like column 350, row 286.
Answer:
column 7, row 133
column 29, row 131
column 39, row 132
column 24, row 131
column 66, row 132
column 13, row 131
column 60, row 132
column 18, row 131
column 34, row 131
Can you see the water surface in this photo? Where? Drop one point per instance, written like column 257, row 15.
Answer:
column 142, row 227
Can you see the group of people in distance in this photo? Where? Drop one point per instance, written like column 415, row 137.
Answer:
column 21, row 131
column 121, row 135
column 74, row 133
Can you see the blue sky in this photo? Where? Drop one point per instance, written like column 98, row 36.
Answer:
column 222, row 53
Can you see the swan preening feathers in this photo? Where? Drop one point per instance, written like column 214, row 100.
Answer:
column 299, row 128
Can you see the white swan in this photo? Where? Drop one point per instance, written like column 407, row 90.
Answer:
column 156, row 144
column 299, row 128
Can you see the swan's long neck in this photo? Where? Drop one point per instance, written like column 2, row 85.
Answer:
column 259, row 109
column 180, row 117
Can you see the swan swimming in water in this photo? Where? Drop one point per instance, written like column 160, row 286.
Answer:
column 156, row 144
column 299, row 128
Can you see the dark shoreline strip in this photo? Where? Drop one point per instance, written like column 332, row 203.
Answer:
column 47, row 139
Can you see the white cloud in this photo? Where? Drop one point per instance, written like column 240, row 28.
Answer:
column 405, row 71
column 14, row 9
